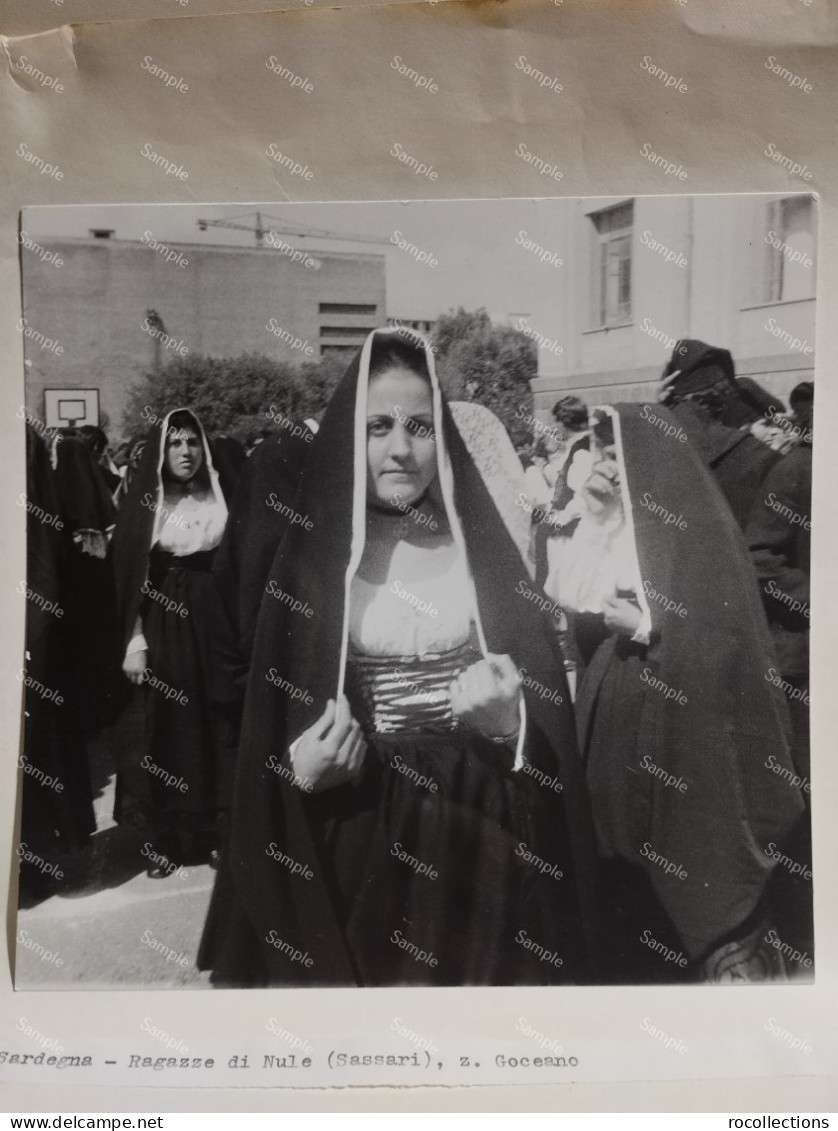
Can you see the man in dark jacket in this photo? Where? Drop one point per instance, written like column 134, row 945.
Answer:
column 699, row 386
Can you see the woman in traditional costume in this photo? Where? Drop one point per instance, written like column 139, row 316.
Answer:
column 408, row 809
column 685, row 737
column 168, row 529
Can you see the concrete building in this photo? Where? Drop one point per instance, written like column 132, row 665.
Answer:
column 639, row 273
column 215, row 300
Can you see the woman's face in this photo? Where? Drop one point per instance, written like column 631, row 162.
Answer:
column 602, row 488
column 401, row 446
column 184, row 454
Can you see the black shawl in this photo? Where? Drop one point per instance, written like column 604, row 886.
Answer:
column 315, row 563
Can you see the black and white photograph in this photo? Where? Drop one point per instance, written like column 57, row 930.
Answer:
column 417, row 594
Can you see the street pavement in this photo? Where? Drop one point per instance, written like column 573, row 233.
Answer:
column 109, row 923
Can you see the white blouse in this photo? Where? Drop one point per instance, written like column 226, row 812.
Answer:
column 190, row 525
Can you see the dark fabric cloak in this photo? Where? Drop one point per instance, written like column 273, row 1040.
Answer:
column 299, row 663
column 697, row 704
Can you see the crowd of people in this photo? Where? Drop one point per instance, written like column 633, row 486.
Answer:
column 436, row 717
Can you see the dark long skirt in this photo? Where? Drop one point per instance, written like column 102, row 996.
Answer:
column 173, row 772
column 488, row 897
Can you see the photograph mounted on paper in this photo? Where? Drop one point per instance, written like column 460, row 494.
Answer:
column 417, row 594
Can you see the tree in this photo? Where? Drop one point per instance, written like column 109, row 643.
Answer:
column 239, row 396
column 493, row 365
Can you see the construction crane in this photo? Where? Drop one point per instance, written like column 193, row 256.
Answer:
column 283, row 227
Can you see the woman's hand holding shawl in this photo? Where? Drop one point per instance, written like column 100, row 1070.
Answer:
column 331, row 752
column 486, row 697
column 134, row 665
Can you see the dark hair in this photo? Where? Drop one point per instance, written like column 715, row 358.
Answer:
column 393, row 351
column 602, row 427
column 572, row 413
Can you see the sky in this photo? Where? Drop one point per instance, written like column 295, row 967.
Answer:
column 478, row 262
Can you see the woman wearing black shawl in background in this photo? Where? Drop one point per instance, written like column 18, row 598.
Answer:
column 403, row 813
column 686, row 738
column 168, row 529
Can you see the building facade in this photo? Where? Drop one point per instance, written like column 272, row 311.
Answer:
column 639, row 273
column 214, row 300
